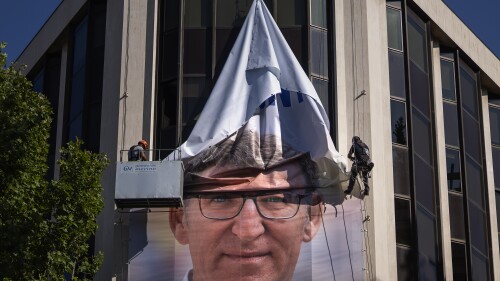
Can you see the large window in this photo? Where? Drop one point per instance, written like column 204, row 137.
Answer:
column 196, row 37
column 412, row 129
column 465, row 171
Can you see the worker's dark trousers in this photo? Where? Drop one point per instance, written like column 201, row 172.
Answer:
column 354, row 174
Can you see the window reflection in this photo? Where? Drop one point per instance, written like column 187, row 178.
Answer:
column 417, row 43
column 394, row 34
column 453, row 170
column 318, row 13
column 397, row 74
column 495, row 126
column 448, row 79
column 457, row 219
column 451, row 124
column 459, row 261
column 398, row 122
column 401, row 170
column 319, row 52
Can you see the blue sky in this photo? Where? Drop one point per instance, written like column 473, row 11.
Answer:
column 20, row 20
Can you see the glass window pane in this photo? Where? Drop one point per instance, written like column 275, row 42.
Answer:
column 296, row 39
column 451, row 124
column 319, row 52
column 166, row 122
column 398, row 122
column 419, row 89
column 397, row 74
column 474, row 182
column 497, row 198
column 459, row 261
column 479, row 266
column 318, row 13
column 477, row 220
column 405, row 263
column 468, row 92
column 422, row 136
column 401, row 170
column 417, row 43
column 496, row 168
column 38, row 81
column 196, row 51
column 403, row 221
column 195, row 94
column 291, row 12
column 424, row 184
column 493, row 99
column 495, row 125
column 170, row 55
column 448, row 79
column 472, row 141
column 171, row 14
column 453, row 170
column 457, row 218
column 394, row 34
column 232, row 13
column 197, row 13
column 426, row 228
column 321, row 87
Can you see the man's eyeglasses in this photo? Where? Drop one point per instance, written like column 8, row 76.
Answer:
column 270, row 205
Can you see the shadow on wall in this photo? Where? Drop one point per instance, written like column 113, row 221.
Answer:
column 138, row 237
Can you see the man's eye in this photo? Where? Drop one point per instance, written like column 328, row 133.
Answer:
column 219, row 199
column 274, row 199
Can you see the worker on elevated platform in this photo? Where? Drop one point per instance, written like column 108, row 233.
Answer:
column 361, row 164
column 136, row 152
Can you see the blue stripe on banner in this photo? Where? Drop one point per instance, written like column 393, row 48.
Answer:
column 272, row 99
column 285, row 98
column 300, row 97
column 262, row 105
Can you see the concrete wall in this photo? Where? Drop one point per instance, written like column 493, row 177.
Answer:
column 362, row 64
column 441, row 162
column 128, row 111
column 490, row 193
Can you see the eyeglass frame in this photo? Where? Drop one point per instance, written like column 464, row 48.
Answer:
column 254, row 197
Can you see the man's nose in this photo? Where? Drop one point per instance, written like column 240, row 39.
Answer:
column 248, row 224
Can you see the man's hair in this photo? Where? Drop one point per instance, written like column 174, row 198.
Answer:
column 247, row 150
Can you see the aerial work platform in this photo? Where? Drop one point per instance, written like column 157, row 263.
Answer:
column 149, row 184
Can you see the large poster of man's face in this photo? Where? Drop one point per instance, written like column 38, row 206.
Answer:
column 315, row 246
column 252, row 210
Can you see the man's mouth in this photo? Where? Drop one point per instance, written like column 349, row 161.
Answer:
column 247, row 257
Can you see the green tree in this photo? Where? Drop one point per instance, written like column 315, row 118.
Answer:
column 45, row 226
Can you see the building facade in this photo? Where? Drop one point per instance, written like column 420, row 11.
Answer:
column 407, row 76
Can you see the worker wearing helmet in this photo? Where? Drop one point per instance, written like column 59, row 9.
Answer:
column 136, row 152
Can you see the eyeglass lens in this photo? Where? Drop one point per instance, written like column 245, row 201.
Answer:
column 228, row 205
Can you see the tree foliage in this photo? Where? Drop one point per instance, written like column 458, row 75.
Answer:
column 45, row 226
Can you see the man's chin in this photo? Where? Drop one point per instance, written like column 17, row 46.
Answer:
column 255, row 268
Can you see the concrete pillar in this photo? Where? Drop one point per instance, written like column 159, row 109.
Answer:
column 441, row 162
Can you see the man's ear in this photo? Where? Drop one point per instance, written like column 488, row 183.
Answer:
column 178, row 226
column 314, row 223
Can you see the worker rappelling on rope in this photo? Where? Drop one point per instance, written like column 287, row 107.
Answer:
column 361, row 164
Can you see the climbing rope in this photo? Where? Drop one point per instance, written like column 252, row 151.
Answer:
column 327, row 245
column 347, row 240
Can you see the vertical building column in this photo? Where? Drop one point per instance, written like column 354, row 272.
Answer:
column 495, row 257
column 441, row 162
column 373, row 65
column 60, row 109
column 110, row 141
